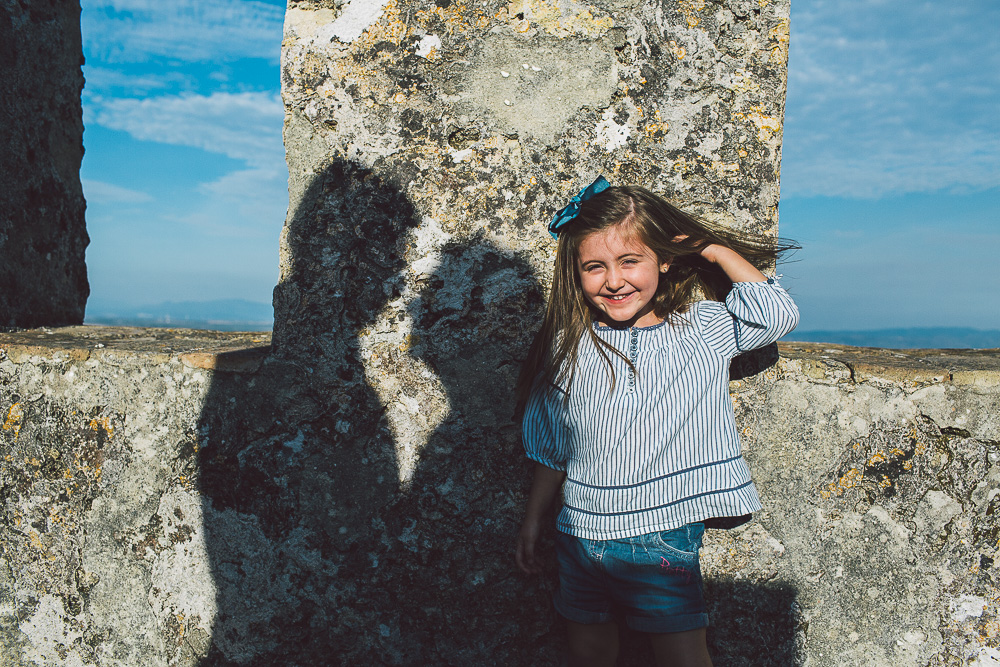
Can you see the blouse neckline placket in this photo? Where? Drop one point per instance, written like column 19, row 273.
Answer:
column 633, row 356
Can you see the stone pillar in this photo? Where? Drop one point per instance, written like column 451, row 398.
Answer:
column 486, row 117
column 43, row 236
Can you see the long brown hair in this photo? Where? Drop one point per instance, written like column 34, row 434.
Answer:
column 656, row 223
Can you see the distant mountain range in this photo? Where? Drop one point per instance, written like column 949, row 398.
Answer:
column 218, row 315
column 917, row 337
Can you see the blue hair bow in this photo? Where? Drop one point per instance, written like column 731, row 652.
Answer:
column 568, row 213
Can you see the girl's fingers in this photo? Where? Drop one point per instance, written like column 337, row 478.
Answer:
column 524, row 555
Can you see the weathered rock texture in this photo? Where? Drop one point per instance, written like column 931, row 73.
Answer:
column 186, row 498
column 161, row 502
column 43, row 278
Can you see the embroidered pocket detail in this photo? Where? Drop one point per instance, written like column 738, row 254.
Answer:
column 682, row 543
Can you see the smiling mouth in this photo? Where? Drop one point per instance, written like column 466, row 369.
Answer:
column 617, row 297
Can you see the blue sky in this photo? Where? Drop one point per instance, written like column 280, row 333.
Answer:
column 184, row 170
column 891, row 163
column 890, row 172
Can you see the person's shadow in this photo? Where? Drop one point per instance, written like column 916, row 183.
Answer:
column 297, row 461
column 474, row 320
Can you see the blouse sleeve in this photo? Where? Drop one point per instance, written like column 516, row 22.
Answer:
column 754, row 315
column 543, row 429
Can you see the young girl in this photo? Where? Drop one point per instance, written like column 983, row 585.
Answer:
column 625, row 399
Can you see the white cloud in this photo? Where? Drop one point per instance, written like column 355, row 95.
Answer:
column 248, row 202
column 188, row 30
column 244, row 126
column 105, row 78
column 243, row 203
column 891, row 97
column 100, row 192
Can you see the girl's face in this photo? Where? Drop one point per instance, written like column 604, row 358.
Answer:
column 619, row 276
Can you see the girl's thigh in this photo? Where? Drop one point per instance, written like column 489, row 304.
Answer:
column 583, row 597
column 592, row 645
column 681, row 649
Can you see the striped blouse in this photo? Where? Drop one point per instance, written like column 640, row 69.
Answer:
column 661, row 449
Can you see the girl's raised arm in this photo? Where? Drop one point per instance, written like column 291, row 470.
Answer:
column 736, row 268
column 762, row 313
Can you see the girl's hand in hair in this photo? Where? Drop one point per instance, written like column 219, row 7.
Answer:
column 736, row 268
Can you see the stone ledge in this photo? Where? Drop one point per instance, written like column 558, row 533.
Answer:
column 962, row 367
column 244, row 352
column 217, row 350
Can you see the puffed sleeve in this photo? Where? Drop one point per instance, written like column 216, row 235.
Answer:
column 543, row 429
column 754, row 315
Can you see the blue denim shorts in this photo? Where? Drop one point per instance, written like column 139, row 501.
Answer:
column 653, row 580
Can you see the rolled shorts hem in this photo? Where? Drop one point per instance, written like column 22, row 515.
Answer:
column 579, row 615
column 638, row 623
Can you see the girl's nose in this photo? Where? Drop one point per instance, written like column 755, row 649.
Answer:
column 615, row 280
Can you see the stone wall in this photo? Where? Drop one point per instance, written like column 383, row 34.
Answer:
column 879, row 474
column 43, row 278
column 351, row 496
column 162, row 502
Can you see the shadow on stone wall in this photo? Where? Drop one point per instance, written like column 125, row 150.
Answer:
column 318, row 554
column 753, row 624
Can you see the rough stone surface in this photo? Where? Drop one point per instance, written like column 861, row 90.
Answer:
column 165, row 498
column 350, row 497
column 878, row 472
column 43, row 278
